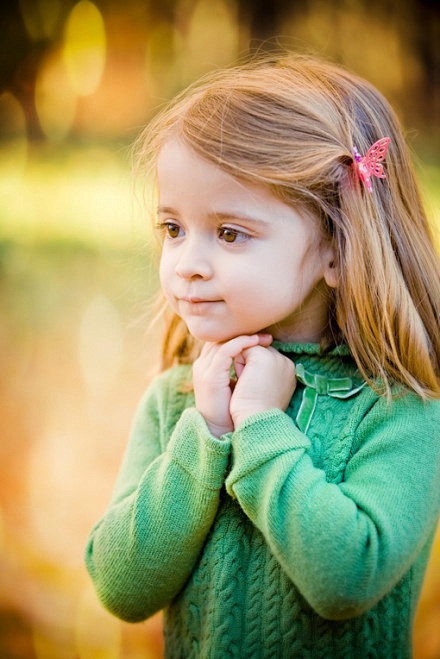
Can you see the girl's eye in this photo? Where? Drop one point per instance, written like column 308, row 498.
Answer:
column 231, row 235
column 173, row 230
column 170, row 229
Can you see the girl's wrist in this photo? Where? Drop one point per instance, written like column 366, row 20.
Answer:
column 218, row 430
column 240, row 418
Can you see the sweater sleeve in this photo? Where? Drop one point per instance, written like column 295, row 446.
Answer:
column 343, row 545
column 142, row 551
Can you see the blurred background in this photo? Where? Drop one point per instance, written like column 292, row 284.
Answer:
column 78, row 80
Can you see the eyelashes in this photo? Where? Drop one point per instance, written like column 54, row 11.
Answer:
column 230, row 235
column 172, row 230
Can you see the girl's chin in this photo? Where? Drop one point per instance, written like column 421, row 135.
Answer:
column 217, row 332
column 212, row 334
column 220, row 337
column 207, row 337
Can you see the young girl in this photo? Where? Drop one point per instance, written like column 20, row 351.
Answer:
column 279, row 497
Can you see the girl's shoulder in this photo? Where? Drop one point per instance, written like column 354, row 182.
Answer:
column 174, row 383
column 405, row 413
column 407, row 404
column 169, row 393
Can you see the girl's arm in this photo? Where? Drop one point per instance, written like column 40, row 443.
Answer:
column 344, row 546
column 145, row 547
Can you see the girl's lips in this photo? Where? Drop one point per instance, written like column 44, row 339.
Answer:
column 197, row 306
column 196, row 300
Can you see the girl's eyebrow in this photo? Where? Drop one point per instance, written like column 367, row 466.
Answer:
column 167, row 209
column 219, row 215
column 238, row 216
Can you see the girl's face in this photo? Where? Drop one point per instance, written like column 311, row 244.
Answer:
column 236, row 260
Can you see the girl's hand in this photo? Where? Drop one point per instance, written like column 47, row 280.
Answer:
column 266, row 379
column 212, row 379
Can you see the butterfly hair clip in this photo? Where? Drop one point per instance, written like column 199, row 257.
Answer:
column 371, row 164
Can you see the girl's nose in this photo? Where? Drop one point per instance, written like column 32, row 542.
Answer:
column 193, row 261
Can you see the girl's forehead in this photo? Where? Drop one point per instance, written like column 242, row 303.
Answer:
column 188, row 181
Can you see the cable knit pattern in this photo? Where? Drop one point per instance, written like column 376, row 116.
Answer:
column 270, row 542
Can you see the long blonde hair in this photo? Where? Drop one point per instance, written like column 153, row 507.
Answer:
column 291, row 124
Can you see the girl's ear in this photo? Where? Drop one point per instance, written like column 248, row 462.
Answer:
column 330, row 269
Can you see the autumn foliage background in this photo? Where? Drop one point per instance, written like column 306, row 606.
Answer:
column 77, row 82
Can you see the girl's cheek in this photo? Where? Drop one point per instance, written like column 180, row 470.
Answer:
column 165, row 288
column 164, row 271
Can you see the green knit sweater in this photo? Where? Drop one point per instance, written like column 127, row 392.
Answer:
column 300, row 534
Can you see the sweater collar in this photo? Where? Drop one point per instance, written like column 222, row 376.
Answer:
column 330, row 372
column 310, row 349
column 334, row 362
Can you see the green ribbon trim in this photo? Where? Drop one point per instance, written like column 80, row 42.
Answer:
column 319, row 385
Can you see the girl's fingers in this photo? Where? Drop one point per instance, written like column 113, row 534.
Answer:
column 221, row 355
column 211, row 377
column 240, row 360
column 267, row 381
column 265, row 340
column 234, row 348
column 239, row 364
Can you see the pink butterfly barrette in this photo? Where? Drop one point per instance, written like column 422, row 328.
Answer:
column 371, row 164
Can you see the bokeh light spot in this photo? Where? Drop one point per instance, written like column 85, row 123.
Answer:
column 41, row 17
column 100, row 344
column 85, row 47
column 203, row 47
column 55, row 100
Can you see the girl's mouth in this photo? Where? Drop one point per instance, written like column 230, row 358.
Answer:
column 197, row 306
column 197, row 300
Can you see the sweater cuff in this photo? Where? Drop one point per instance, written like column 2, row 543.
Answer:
column 261, row 438
column 202, row 455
